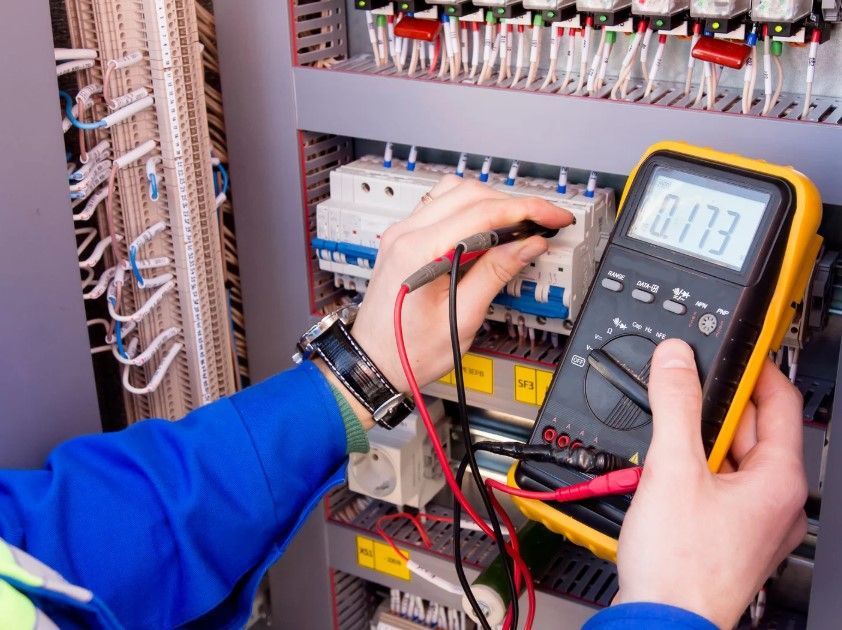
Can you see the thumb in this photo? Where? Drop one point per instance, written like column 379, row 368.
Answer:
column 490, row 274
column 675, row 396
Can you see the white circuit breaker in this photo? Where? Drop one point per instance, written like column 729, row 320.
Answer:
column 366, row 198
column 401, row 467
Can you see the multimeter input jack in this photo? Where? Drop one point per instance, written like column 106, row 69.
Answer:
column 563, row 441
column 549, row 435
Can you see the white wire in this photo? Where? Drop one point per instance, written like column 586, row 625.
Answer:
column 812, row 56
column 475, row 52
column 535, row 54
column 157, row 376
column 644, row 54
column 691, row 64
column 372, row 37
column 571, row 54
column 555, row 46
column 749, row 81
column 656, row 67
column 144, row 357
column 583, row 60
column 626, row 66
column 597, row 58
column 89, row 234
column 92, row 260
column 519, row 59
column 144, row 309
column 767, row 75
column 101, row 285
column 603, row 68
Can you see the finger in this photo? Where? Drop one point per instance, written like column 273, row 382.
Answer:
column 675, row 396
column 451, row 195
column 488, row 214
column 745, row 438
column 779, row 423
column 490, row 274
column 780, row 409
column 793, row 538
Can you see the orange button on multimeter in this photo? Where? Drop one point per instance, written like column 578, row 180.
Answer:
column 709, row 248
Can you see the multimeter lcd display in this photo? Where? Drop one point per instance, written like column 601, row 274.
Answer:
column 702, row 217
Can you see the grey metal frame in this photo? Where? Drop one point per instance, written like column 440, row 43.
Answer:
column 46, row 376
column 267, row 100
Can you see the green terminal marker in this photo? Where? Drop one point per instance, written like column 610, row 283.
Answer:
column 716, row 26
column 603, row 18
column 659, row 23
column 361, row 3
column 451, row 9
column 551, row 14
column 779, row 28
column 501, row 11
column 405, row 5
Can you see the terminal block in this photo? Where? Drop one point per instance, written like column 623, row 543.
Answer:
column 366, row 198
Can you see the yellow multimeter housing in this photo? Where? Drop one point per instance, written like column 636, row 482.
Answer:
column 710, row 247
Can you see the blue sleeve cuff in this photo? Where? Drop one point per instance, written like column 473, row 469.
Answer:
column 297, row 432
column 646, row 615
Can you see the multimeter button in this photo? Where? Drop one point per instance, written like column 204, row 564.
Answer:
column 708, row 323
column 612, row 285
column 643, row 296
column 675, row 307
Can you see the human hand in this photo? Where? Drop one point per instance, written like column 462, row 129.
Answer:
column 707, row 542
column 459, row 209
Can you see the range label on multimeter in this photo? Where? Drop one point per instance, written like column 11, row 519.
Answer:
column 709, row 248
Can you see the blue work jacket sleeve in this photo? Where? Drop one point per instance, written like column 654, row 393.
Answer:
column 172, row 523
column 634, row 616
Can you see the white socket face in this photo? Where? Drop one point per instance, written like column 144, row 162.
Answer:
column 698, row 216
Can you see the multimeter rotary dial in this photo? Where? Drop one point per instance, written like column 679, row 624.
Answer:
column 615, row 384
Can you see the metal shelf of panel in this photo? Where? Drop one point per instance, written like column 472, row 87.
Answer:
column 600, row 134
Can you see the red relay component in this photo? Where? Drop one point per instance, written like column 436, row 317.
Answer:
column 415, row 28
column 721, row 51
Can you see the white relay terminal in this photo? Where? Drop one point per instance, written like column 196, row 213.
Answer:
column 724, row 9
column 601, row 6
column 401, row 467
column 659, row 7
column 780, row 10
column 547, row 5
column 366, row 198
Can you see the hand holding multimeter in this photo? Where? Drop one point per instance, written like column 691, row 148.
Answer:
column 710, row 248
column 705, row 542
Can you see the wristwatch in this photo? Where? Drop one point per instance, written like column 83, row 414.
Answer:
column 331, row 340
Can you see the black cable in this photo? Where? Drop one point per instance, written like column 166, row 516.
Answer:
column 457, row 550
column 466, row 434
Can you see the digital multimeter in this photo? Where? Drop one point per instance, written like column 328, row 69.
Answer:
column 711, row 248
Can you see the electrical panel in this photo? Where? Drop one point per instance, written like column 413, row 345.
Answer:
column 366, row 198
column 585, row 84
column 552, row 85
column 146, row 200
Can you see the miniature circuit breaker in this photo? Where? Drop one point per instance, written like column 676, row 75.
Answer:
column 367, row 198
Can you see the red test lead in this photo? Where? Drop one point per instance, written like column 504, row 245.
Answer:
column 623, row 481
